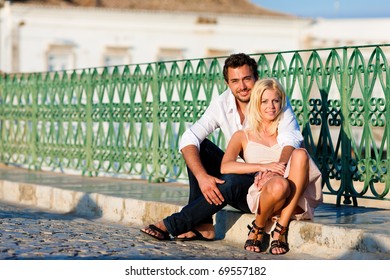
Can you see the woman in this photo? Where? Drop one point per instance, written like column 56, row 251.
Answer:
column 286, row 190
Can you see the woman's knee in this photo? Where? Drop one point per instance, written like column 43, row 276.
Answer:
column 278, row 187
column 300, row 156
column 299, row 166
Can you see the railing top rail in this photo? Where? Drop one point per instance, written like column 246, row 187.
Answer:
column 204, row 58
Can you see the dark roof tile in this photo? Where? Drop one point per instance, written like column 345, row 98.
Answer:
column 238, row 7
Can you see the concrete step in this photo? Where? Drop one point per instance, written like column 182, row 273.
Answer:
column 329, row 241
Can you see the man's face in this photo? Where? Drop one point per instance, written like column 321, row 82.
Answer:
column 241, row 81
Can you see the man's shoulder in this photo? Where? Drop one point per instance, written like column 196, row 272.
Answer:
column 224, row 97
column 225, row 93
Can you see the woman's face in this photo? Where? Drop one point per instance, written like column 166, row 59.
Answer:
column 270, row 105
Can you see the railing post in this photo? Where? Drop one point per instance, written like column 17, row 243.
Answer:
column 156, row 173
column 346, row 176
column 34, row 121
column 88, row 124
column 387, row 126
column 2, row 107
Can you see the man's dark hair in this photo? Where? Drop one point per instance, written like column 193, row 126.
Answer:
column 238, row 60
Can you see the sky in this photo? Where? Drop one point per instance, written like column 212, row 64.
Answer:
column 329, row 8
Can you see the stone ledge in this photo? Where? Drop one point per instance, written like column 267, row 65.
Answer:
column 305, row 236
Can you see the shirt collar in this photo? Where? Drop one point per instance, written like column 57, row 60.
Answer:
column 231, row 102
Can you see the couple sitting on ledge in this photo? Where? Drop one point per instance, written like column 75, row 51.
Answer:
column 264, row 169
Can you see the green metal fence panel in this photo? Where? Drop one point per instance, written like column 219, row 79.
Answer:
column 127, row 120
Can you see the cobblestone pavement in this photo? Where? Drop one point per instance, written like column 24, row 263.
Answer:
column 28, row 233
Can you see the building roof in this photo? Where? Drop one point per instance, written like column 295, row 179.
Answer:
column 238, row 7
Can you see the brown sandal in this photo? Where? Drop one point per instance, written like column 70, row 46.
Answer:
column 255, row 242
column 281, row 242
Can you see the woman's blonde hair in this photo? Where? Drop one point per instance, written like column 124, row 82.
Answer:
column 254, row 119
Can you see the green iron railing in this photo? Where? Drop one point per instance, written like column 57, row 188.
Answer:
column 128, row 119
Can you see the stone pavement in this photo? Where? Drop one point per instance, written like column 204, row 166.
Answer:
column 47, row 215
column 30, row 233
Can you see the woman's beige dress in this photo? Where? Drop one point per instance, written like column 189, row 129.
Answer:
column 311, row 198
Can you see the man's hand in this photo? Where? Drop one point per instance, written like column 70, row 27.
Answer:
column 208, row 186
column 207, row 183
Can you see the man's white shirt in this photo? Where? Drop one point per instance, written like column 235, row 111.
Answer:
column 222, row 113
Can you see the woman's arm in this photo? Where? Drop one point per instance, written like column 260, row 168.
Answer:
column 230, row 164
column 229, row 161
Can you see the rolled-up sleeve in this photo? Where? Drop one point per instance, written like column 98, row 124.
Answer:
column 200, row 129
column 289, row 133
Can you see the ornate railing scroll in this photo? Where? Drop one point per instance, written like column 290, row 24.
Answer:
column 127, row 120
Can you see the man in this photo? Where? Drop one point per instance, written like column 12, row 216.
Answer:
column 209, row 191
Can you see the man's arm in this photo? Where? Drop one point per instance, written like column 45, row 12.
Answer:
column 289, row 133
column 190, row 142
column 199, row 130
column 207, row 183
column 286, row 154
column 192, row 158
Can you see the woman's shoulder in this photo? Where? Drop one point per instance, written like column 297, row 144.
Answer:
column 238, row 137
column 241, row 136
column 240, row 133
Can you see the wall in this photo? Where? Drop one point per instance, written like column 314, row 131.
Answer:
column 144, row 36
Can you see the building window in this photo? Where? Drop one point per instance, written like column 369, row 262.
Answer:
column 60, row 57
column 207, row 20
column 168, row 54
column 217, row 53
column 114, row 56
column 211, row 53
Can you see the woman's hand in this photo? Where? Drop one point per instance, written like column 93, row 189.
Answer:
column 269, row 170
column 263, row 177
column 275, row 167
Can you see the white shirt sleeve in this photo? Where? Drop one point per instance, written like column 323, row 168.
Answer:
column 199, row 130
column 289, row 133
column 221, row 113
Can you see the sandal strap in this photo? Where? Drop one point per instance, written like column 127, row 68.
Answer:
column 280, row 229
column 256, row 226
column 252, row 242
column 255, row 229
column 279, row 244
column 165, row 234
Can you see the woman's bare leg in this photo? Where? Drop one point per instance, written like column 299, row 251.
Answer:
column 272, row 198
column 298, row 179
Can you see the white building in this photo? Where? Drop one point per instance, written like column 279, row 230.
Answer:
column 329, row 33
column 47, row 35
column 54, row 35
